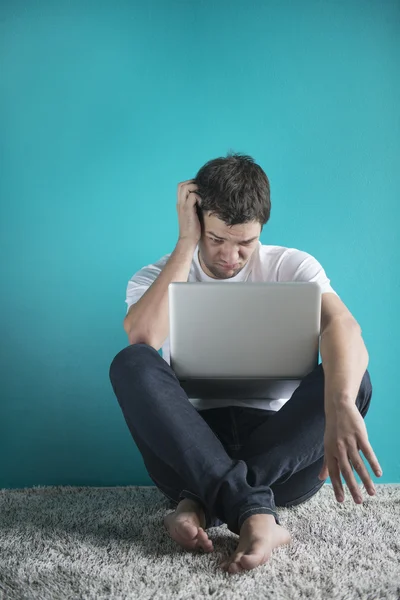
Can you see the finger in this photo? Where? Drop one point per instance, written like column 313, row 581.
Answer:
column 334, row 474
column 369, row 454
column 183, row 190
column 348, row 474
column 359, row 466
column 195, row 197
column 323, row 474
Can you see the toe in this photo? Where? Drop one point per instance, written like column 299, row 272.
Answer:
column 204, row 541
column 251, row 561
column 187, row 531
column 225, row 565
column 208, row 548
column 235, row 567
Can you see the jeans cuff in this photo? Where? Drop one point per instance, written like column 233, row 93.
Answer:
column 263, row 510
column 209, row 518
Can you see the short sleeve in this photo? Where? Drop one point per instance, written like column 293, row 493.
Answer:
column 298, row 265
column 142, row 280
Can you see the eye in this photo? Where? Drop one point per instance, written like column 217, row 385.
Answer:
column 220, row 241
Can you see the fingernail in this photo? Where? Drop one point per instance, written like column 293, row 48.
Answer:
column 379, row 473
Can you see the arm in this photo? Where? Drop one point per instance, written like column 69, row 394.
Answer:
column 344, row 360
column 148, row 319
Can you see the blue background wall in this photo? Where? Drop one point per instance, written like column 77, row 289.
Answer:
column 105, row 108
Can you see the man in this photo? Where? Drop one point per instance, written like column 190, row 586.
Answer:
column 235, row 461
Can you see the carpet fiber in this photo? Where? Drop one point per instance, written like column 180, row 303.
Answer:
column 110, row 542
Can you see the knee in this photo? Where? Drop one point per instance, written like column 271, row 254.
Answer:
column 366, row 385
column 363, row 399
column 132, row 357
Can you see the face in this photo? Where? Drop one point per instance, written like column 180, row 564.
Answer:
column 225, row 258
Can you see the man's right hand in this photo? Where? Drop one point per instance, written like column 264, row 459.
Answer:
column 189, row 223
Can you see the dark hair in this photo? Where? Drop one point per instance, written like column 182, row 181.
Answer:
column 235, row 189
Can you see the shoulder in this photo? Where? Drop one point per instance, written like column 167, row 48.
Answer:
column 281, row 259
column 291, row 264
column 295, row 264
column 152, row 270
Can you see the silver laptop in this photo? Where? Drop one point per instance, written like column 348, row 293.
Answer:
column 243, row 340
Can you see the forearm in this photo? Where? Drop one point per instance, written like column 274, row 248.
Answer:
column 344, row 361
column 148, row 319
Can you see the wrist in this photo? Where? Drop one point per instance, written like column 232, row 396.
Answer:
column 187, row 243
column 336, row 401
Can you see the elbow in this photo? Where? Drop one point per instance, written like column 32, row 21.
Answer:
column 128, row 328
column 138, row 338
column 135, row 336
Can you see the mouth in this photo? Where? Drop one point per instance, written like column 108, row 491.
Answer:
column 229, row 268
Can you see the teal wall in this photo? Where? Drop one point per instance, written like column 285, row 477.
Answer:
column 104, row 108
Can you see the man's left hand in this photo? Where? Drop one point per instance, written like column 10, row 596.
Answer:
column 345, row 435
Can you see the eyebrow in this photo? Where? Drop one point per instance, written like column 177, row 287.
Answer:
column 221, row 238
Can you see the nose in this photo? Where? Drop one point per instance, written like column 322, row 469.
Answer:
column 231, row 260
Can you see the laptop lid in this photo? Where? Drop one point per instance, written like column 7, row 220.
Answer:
column 243, row 340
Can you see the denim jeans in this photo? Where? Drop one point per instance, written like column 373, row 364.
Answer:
column 234, row 461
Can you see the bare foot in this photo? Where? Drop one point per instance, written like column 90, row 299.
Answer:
column 186, row 526
column 259, row 535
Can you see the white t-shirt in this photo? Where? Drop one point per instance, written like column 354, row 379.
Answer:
column 267, row 263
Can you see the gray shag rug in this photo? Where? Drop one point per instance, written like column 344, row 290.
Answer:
column 110, row 542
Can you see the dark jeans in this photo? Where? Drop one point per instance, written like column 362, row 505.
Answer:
column 233, row 461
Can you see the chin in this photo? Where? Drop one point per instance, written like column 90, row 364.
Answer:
column 227, row 274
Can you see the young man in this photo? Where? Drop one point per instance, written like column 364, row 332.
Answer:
column 235, row 461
